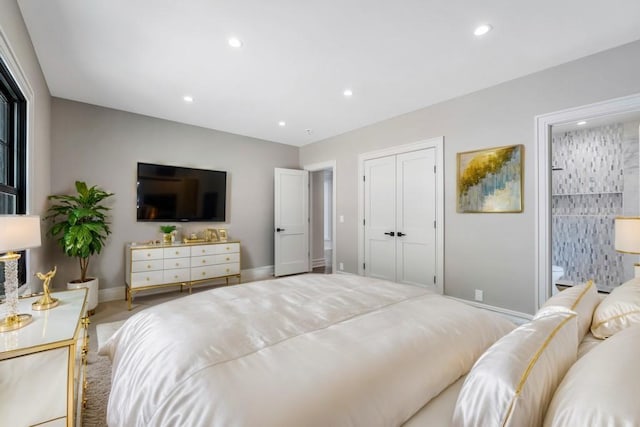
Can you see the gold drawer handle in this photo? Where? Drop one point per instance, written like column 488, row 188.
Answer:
column 203, row 273
column 149, row 266
column 148, row 279
column 204, row 261
column 203, row 251
column 228, row 248
column 177, row 253
column 227, row 258
column 177, row 264
column 148, row 254
column 227, row 270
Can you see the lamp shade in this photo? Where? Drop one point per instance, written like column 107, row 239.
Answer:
column 627, row 229
column 18, row 232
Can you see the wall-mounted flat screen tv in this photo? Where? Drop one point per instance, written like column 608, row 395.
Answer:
column 173, row 193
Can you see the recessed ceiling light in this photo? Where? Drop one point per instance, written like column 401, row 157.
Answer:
column 235, row 42
column 187, row 98
column 581, row 122
column 483, row 29
column 282, row 123
column 348, row 93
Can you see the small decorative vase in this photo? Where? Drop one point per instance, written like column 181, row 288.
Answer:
column 166, row 238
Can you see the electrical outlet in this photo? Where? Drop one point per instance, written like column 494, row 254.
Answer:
column 341, row 266
column 479, row 295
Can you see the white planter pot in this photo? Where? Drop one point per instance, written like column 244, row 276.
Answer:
column 92, row 293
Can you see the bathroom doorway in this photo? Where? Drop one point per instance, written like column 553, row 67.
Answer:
column 594, row 178
column 618, row 110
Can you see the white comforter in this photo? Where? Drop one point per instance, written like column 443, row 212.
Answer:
column 311, row 350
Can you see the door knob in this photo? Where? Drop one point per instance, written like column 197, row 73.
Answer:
column 279, row 229
column 391, row 233
column 400, row 234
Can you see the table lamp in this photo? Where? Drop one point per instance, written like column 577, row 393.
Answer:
column 627, row 240
column 17, row 232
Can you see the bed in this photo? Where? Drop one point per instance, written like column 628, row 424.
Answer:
column 312, row 350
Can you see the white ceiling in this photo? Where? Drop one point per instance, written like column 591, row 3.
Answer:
column 298, row 56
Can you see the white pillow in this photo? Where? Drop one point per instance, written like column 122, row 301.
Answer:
column 601, row 388
column 582, row 299
column 617, row 311
column 513, row 381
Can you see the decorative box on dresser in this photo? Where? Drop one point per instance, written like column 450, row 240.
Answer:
column 43, row 364
column 179, row 264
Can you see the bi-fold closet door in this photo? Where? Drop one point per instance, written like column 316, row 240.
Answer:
column 400, row 217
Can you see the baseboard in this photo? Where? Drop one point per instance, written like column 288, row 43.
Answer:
column 248, row 275
column 319, row 262
column 516, row 316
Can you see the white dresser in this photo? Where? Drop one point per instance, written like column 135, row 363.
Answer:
column 179, row 264
column 43, row 365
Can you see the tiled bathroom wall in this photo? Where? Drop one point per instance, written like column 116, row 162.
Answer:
column 587, row 194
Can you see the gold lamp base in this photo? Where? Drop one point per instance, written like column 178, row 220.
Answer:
column 11, row 323
column 45, row 303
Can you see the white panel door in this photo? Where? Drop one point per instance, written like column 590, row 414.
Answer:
column 415, row 218
column 291, row 217
column 380, row 218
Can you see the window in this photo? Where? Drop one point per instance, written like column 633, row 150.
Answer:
column 13, row 157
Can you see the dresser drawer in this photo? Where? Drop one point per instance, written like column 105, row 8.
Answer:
column 227, row 269
column 206, row 272
column 150, row 265
column 224, row 248
column 178, row 252
column 203, row 250
column 147, row 278
column 175, row 276
column 173, row 263
column 201, row 261
column 227, row 258
column 144, row 254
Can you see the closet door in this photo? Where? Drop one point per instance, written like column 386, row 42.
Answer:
column 380, row 218
column 400, row 214
column 415, row 217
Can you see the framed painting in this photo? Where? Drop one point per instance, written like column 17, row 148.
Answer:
column 490, row 180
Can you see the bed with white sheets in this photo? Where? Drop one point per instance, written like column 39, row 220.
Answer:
column 312, row 350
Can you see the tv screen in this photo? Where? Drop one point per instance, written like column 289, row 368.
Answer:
column 173, row 193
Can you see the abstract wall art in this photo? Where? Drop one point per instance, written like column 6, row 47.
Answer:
column 490, row 180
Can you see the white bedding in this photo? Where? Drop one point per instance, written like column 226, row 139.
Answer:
column 312, row 350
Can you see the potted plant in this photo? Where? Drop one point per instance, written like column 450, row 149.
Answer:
column 168, row 233
column 79, row 224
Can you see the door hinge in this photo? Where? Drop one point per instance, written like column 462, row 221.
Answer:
column 434, row 224
column 364, row 266
column 434, row 169
column 364, row 222
column 434, row 280
column 364, row 178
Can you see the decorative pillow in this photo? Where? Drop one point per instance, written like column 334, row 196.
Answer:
column 602, row 388
column 582, row 299
column 617, row 311
column 513, row 381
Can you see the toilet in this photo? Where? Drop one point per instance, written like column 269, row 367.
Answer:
column 556, row 273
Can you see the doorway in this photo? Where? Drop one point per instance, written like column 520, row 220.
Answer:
column 322, row 216
column 572, row 202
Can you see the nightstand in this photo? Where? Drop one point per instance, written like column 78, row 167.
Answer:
column 42, row 365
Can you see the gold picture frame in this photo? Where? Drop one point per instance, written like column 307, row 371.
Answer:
column 490, row 180
column 211, row 235
column 222, row 233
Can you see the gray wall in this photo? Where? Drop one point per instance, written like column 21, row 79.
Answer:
column 493, row 252
column 102, row 147
column 16, row 36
